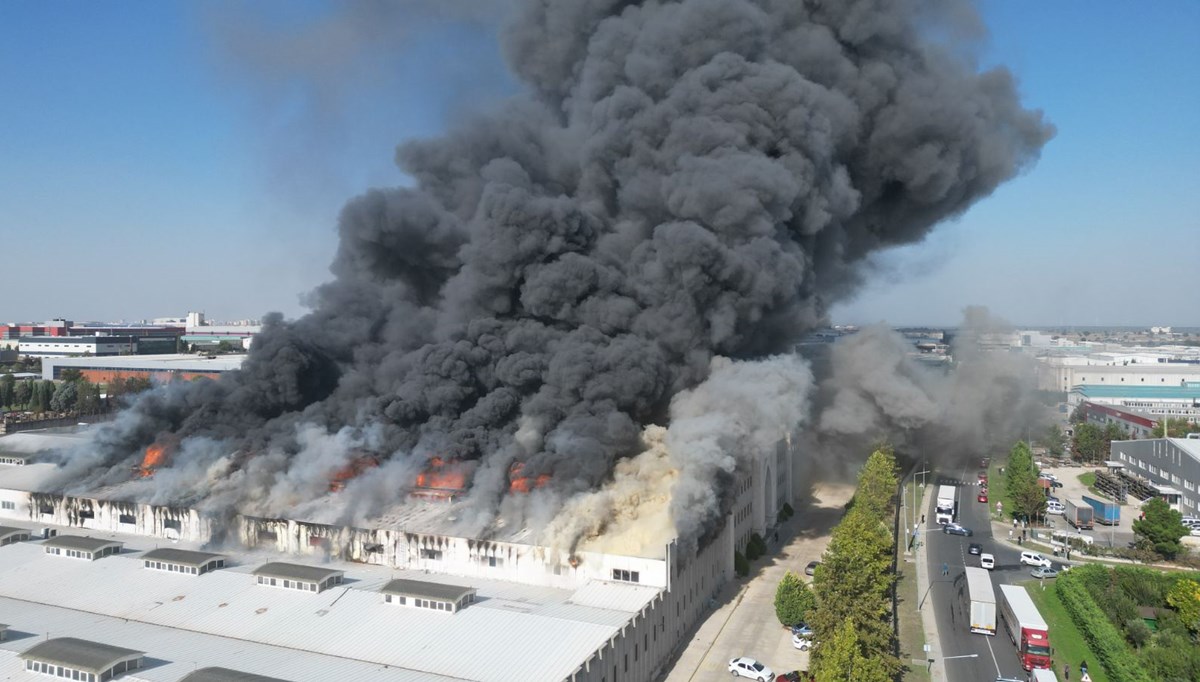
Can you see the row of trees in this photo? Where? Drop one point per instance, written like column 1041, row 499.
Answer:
column 852, row 617
column 73, row 394
column 1025, row 493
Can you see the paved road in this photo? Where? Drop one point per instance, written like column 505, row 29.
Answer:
column 745, row 623
column 993, row 655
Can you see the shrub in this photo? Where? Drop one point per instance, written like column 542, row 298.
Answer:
column 1102, row 636
column 741, row 565
column 756, row 547
column 1138, row 632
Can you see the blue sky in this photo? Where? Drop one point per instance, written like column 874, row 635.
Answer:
column 151, row 162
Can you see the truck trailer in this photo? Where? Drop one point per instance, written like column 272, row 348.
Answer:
column 1025, row 627
column 1079, row 514
column 983, row 601
column 1107, row 513
column 946, row 504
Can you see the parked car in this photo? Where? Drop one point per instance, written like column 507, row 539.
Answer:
column 987, row 561
column 956, row 529
column 801, row 642
column 802, row 629
column 1055, row 508
column 748, row 667
column 1034, row 559
column 974, row 548
column 1044, row 572
column 794, row 676
column 811, row 568
column 1195, row 532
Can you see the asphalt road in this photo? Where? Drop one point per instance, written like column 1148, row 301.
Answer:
column 994, row 655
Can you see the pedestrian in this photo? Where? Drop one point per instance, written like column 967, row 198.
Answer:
column 1066, row 672
column 945, row 568
column 1023, row 536
column 1010, row 535
column 1014, row 522
column 1083, row 667
column 922, row 519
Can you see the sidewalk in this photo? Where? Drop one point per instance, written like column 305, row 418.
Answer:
column 937, row 672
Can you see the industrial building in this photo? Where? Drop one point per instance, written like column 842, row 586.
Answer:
column 345, row 599
column 156, row 368
column 1167, row 468
column 1136, row 424
column 1175, row 402
column 62, row 338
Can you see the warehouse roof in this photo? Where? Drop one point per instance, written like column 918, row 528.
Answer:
column 81, row 543
column 279, row 569
column 180, row 362
column 21, row 456
column 226, row 675
column 9, row 531
column 1184, row 392
column 181, row 556
column 426, row 590
column 79, row 654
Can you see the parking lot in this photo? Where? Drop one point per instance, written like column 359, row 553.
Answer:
column 1119, row 535
column 744, row 624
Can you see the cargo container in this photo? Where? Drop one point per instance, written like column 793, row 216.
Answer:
column 1025, row 627
column 983, row 601
column 1078, row 514
column 1107, row 513
column 946, row 504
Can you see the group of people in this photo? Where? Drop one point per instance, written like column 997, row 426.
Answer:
column 1083, row 671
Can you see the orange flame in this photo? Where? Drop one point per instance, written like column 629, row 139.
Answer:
column 524, row 484
column 353, row 469
column 445, row 475
column 156, row 456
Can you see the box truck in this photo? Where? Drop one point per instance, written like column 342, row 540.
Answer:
column 983, row 601
column 1025, row 627
column 1078, row 514
column 1107, row 513
column 946, row 504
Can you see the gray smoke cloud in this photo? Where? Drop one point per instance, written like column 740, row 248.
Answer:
column 875, row 389
column 680, row 181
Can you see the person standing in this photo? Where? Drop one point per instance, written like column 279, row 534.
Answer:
column 1067, row 672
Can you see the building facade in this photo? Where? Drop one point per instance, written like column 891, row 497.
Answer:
column 1170, row 465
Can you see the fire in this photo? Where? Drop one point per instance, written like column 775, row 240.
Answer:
column 443, row 479
column 524, row 484
column 353, row 469
column 156, row 456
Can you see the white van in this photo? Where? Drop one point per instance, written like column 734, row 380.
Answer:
column 1055, row 508
column 987, row 561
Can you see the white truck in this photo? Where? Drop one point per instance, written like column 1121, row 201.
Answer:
column 946, row 505
column 983, row 601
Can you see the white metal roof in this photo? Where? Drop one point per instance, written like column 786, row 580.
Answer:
column 517, row 632
column 1023, row 608
column 182, row 362
column 979, row 585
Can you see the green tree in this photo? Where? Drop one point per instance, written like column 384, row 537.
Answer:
column 137, row 384
column 1054, row 440
column 1176, row 428
column 225, row 347
column 65, row 396
column 793, row 599
column 1184, row 597
column 1162, row 527
column 1078, row 415
column 842, row 658
column 7, row 384
column 877, row 483
column 89, row 398
column 1088, row 442
column 22, row 394
column 1021, row 483
column 70, row 374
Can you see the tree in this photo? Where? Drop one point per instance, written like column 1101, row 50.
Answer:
column 70, row 374
column 22, row 394
column 793, row 599
column 1176, row 428
column 1054, row 440
column 1078, row 415
column 89, row 398
column 7, row 383
column 1021, row 483
column 1088, row 442
column 65, row 397
column 842, row 658
column 1162, row 527
column 137, row 384
column 225, row 347
column 877, row 483
column 1184, row 597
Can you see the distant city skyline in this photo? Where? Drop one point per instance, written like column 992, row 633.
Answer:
column 166, row 157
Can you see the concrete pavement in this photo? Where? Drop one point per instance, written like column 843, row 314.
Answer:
column 937, row 672
column 743, row 621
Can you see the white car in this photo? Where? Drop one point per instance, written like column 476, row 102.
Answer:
column 1055, row 508
column 1034, row 559
column 1195, row 532
column 748, row 667
column 987, row 561
column 801, row 642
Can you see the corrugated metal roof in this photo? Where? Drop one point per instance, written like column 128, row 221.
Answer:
column 312, row 574
column 9, row 531
column 184, row 557
column 81, row 654
column 226, row 675
column 81, row 543
column 426, row 590
column 516, row 632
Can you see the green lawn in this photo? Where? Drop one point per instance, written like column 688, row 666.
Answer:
column 1069, row 645
column 996, row 489
column 1089, row 480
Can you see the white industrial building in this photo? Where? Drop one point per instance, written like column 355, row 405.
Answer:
column 498, row 608
column 154, row 366
column 64, row 346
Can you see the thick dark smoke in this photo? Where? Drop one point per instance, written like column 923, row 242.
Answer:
column 681, row 181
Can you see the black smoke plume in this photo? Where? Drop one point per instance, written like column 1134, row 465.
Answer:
column 679, row 181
